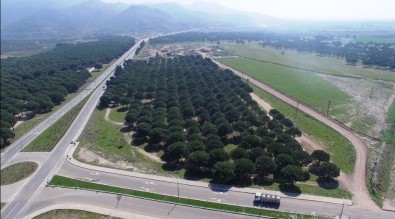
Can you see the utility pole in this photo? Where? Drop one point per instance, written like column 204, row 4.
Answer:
column 178, row 189
column 297, row 107
column 327, row 110
column 371, row 93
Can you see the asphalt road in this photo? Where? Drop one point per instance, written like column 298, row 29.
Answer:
column 16, row 208
column 222, row 195
column 51, row 196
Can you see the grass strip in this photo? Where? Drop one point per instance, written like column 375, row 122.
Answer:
column 47, row 140
column 67, row 182
column 72, row 213
column 17, row 172
column 341, row 150
column 379, row 186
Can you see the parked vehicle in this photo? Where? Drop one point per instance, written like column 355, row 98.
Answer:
column 261, row 198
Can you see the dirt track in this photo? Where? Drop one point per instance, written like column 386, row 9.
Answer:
column 356, row 182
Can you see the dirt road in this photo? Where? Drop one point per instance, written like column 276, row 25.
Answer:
column 357, row 180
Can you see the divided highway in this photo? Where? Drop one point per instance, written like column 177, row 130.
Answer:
column 24, row 140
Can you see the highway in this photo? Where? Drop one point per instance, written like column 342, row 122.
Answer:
column 16, row 208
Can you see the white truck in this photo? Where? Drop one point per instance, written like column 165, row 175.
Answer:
column 262, row 198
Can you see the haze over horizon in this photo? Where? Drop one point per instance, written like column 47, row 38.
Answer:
column 301, row 9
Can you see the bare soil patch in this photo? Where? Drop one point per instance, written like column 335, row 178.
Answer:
column 92, row 157
column 367, row 110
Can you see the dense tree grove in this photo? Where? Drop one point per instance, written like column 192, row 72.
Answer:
column 369, row 54
column 37, row 83
column 191, row 109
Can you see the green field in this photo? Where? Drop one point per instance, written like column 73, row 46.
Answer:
column 304, row 86
column 63, row 181
column 104, row 138
column 17, row 172
column 71, row 213
column 118, row 113
column 47, row 140
column 308, row 61
column 341, row 150
column 383, row 170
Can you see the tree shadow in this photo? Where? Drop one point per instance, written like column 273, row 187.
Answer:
column 122, row 109
column 243, row 182
column 290, row 189
column 169, row 166
column 194, row 174
column 151, row 148
column 217, row 187
column 262, row 181
column 139, row 139
column 126, row 129
column 327, row 183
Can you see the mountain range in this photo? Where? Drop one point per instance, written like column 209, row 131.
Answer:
column 34, row 19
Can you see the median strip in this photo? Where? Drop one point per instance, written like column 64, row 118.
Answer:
column 60, row 181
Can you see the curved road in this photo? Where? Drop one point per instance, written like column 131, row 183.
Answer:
column 357, row 180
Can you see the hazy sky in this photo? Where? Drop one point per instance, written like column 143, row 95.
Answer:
column 303, row 9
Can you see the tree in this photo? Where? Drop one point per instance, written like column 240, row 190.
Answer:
column 302, row 158
column 328, row 170
column 143, row 128
column 215, row 143
column 255, row 153
column 294, row 146
column 196, row 145
column 239, row 153
column 198, row 160
column 224, row 171
column 217, row 155
column 293, row 173
column 244, row 168
column 283, row 160
column 294, row 132
column 177, row 150
column 157, row 135
column 250, row 141
column 264, row 166
column 320, row 156
column 6, row 134
column 276, row 148
column 175, row 137
column 224, row 129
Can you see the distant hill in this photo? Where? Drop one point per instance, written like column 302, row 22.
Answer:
column 47, row 19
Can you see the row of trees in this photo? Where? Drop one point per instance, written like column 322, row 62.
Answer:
column 369, row 54
column 142, row 44
column 196, row 112
column 37, row 83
